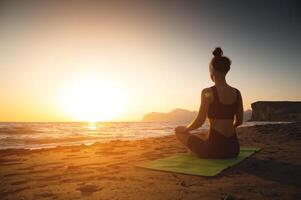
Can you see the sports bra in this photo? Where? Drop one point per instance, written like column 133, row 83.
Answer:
column 217, row 110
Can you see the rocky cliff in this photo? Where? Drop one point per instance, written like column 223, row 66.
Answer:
column 276, row 111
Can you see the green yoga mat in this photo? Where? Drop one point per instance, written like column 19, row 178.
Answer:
column 189, row 164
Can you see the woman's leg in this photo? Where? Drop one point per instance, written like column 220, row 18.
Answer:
column 194, row 143
column 183, row 137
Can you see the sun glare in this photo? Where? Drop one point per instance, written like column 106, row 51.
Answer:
column 93, row 100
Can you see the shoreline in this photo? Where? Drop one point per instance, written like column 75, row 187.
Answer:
column 107, row 170
column 91, row 142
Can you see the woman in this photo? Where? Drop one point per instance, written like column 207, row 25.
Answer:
column 223, row 106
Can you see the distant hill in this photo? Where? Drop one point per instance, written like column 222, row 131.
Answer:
column 180, row 115
column 177, row 115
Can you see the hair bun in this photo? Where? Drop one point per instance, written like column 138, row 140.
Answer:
column 218, row 52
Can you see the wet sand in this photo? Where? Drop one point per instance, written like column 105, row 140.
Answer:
column 107, row 171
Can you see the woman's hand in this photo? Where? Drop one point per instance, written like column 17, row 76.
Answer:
column 180, row 129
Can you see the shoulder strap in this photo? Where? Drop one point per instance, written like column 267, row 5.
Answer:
column 215, row 95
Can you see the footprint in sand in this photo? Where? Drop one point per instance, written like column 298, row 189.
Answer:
column 21, row 182
column 87, row 190
column 45, row 194
column 12, row 163
column 112, row 153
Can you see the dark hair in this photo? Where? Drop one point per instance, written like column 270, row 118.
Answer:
column 219, row 62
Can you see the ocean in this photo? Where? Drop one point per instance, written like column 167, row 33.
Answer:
column 35, row 135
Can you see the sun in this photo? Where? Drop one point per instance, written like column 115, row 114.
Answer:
column 93, row 100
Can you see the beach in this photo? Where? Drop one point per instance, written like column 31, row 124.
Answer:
column 108, row 170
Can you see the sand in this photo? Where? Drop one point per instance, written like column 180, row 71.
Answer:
column 107, row 171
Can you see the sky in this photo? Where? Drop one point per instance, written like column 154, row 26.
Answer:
column 123, row 60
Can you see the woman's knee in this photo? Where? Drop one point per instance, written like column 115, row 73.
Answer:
column 178, row 134
column 181, row 129
column 182, row 137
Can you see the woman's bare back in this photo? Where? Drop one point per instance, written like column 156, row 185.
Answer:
column 227, row 95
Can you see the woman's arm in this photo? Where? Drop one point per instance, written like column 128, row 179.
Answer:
column 239, row 116
column 202, row 114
